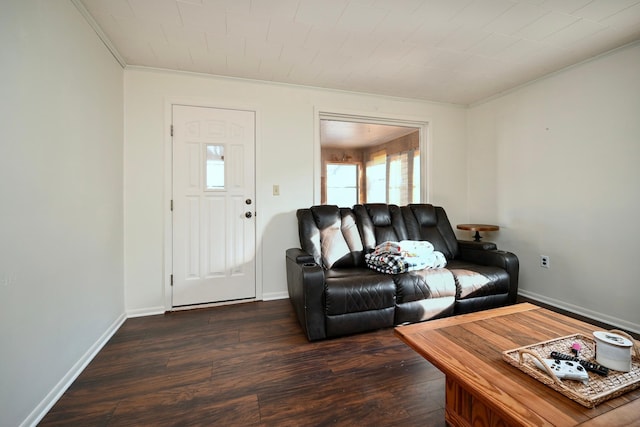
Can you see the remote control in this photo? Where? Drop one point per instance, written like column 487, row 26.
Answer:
column 589, row 366
column 564, row 369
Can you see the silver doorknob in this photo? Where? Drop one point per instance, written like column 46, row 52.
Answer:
column 248, row 214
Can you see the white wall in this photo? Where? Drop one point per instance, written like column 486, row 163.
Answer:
column 61, row 228
column 285, row 156
column 556, row 165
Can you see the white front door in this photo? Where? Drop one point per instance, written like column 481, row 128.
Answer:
column 213, row 205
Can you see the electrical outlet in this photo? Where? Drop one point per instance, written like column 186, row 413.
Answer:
column 545, row 261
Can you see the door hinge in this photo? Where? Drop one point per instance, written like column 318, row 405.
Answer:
column 171, row 206
column 171, row 130
column 172, row 280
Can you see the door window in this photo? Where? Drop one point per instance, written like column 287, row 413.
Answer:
column 214, row 167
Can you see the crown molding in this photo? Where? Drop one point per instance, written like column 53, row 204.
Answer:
column 103, row 37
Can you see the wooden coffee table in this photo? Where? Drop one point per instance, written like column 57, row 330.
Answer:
column 483, row 389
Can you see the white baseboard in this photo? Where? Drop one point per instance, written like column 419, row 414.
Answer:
column 275, row 295
column 54, row 395
column 614, row 321
column 152, row 311
column 148, row 311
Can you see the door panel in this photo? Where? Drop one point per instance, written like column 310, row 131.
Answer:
column 213, row 177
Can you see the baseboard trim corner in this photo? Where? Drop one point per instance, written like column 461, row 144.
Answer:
column 270, row 296
column 148, row 311
column 56, row 393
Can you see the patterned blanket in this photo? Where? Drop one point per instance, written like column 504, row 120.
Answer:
column 407, row 255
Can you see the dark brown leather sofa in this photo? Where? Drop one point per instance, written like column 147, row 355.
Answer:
column 334, row 293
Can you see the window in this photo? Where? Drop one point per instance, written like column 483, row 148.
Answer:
column 397, row 179
column 415, row 183
column 376, row 178
column 342, row 184
column 394, row 178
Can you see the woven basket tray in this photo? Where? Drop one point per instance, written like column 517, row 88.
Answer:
column 597, row 390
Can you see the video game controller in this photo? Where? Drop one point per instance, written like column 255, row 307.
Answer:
column 589, row 366
column 564, row 369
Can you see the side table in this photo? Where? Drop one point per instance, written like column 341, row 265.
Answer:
column 478, row 228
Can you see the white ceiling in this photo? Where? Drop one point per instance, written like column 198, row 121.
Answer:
column 454, row 51
column 347, row 134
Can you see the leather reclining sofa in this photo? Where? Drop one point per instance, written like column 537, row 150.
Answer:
column 335, row 293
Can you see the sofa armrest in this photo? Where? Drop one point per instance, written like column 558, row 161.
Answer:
column 472, row 244
column 300, row 256
column 485, row 253
column 305, row 282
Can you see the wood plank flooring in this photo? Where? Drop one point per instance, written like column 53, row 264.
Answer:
column 249, row 365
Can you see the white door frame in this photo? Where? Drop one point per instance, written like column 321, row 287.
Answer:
column 379, row 118
column 168, row 194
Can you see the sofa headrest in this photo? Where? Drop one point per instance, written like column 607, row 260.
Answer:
column 425, row 214
column 428, row 222
column 379, row 214
column 330, row 234
column 325, row 215
column 379, row 222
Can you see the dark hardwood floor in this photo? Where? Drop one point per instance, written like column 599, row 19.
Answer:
column 249, row 365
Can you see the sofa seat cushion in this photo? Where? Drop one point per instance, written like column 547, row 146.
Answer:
column 424, row 294
column 424, row 284
column 473, row 280
column 354, row 292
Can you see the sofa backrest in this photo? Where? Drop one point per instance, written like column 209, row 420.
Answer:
column 339, row 237
column 330, row 235
column 378, row 223
column 428, row 222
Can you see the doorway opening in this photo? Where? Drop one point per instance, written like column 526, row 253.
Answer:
column 370, row 160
